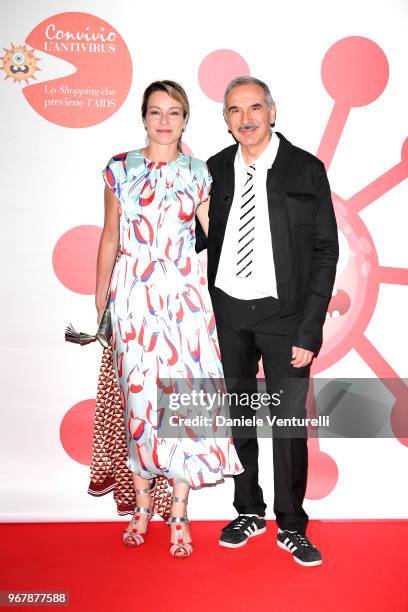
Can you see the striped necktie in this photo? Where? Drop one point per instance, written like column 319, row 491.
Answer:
column 246, row 231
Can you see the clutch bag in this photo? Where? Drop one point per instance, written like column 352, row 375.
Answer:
column 103, row 333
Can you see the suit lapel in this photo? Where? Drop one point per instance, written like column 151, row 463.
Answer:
column 228, row 185
column 277, row 175
column 226, row 193
column 281, row 239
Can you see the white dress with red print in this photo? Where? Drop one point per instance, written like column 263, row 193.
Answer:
column 162, row 318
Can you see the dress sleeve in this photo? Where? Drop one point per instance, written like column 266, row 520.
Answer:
column 114, row 174
column 204, row 186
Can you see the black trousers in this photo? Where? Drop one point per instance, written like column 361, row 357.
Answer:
column 248, row 330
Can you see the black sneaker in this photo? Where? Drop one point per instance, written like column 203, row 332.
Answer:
column 242, row 528
column 303, row 551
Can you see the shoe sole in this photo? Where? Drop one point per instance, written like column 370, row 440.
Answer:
column 304, row 563
column 229, row 545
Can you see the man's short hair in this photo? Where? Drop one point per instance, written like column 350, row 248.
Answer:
column 248, row 80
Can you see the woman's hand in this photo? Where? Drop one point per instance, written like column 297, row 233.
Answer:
column 202, row 215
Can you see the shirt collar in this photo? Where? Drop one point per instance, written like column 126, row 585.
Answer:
column 267, row 157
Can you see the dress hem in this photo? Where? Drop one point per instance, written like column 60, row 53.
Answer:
column 215, row 482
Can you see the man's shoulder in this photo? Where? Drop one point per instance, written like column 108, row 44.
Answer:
column 307, row 157
column 303, row 167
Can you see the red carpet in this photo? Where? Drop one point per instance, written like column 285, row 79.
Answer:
column 364, row 569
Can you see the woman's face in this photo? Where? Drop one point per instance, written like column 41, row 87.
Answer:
column 164, row 118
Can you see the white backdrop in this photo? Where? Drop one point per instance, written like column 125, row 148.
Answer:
column 51, row 188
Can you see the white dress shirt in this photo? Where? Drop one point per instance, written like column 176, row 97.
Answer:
column 262, row 283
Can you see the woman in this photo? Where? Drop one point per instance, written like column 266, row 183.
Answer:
column 162, row 319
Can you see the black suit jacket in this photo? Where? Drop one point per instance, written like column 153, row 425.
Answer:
column 303, row 228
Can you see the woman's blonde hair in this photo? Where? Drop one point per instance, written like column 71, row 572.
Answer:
column 174, row 90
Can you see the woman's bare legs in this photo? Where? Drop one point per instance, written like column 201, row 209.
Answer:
column 142, row 499
column 138, row 525
column 180, row 529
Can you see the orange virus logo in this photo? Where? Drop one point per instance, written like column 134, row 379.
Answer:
column 20, row 63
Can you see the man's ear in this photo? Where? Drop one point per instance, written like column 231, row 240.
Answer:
column 272, row 114
column 226, row 121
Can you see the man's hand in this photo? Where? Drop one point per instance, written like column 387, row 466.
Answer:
column 301, row 357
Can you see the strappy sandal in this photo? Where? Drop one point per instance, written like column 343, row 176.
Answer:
column 132, row 535
column 181, row 549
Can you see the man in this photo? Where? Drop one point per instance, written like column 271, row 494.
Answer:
column 272, row 254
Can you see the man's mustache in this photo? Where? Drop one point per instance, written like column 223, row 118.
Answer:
column 247, row 126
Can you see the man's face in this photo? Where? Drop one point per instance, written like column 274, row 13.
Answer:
column 248, row 116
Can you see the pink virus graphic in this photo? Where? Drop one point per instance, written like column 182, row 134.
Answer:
column 354, row 73
column 74, row 258
column 219, row 68
column 76, row 431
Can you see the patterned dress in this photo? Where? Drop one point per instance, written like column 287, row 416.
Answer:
column 162, row 319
